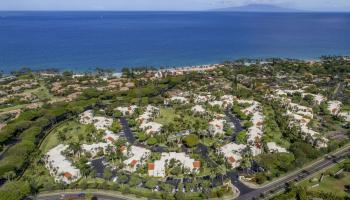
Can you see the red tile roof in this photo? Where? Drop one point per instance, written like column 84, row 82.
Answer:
column 334, row 110
column 67, row 174
column 110, row 139
column 231, row 159
column 259, row 124
column 150, row 166
column 197, row 164
column 122, row 148
column 133, row 163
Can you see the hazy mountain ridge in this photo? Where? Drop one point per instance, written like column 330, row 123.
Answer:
column 257, row 8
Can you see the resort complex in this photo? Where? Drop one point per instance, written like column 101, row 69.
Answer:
column 246, row 129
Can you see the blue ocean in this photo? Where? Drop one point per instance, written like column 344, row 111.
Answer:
column 85, row 40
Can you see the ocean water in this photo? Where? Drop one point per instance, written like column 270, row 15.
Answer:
column 86, row 40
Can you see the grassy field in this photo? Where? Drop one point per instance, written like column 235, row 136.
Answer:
column 166, row 116
column 208, row 142
column 187, row 121
column 71, row 129
column 329, row 183
column 272, row 132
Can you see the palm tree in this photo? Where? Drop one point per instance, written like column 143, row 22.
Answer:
column 75, row 147
column 34, row 186
column 246, row 159
column 61, row 136
column 10, row 175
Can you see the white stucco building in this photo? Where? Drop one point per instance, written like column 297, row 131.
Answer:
column 60, row 167
column 137, row 156
column 157, row 168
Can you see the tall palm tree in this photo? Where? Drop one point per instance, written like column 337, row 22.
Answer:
column 246, row 159
column 75, row 147
column 10, row 175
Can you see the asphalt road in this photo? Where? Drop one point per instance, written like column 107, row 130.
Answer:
column 282, row 183
column 127, row 131
column 236, row 122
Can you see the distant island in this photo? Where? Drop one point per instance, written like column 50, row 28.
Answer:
column 256, row 8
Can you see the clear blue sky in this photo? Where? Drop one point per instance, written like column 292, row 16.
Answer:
column 317, row 5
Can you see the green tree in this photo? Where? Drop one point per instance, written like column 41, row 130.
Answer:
column 241, row 137
column 107, row 173
column 152, row 141
column 151, row 184
column 116, row 127
column 134, row 180
column 122, row 179
column 191, row 140
column 15, row 190
column 142, row 136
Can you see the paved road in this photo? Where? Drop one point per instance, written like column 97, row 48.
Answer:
column 282, row 183
column 243, row 189
column 127, row 131
column 236, row 122
column 204, row 151
column 97, row 195
column 339, row 92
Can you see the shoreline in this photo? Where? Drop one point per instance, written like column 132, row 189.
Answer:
column 180, row 68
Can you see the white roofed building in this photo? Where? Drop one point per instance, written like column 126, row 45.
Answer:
column 334, row 107
column 129, row 110
column 157, row 168
column 233, row 153
column 94, row 149
column 100, row 123
column 151, row 127
column 60, row 167
column 176, row 99
column 198, row 109
column 137, row 156
column 200, row 99
column 216, row 127
column 274, row 148
column 86, row 117
column 345, row 115
column 220, row 104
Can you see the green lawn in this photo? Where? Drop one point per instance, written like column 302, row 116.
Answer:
column 181, row 121
column 208, row 142
column 166, row 116
column 329, row 183
column 272, row 133
column 71, row 129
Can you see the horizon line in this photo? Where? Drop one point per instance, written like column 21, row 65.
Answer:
column 207, row 10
